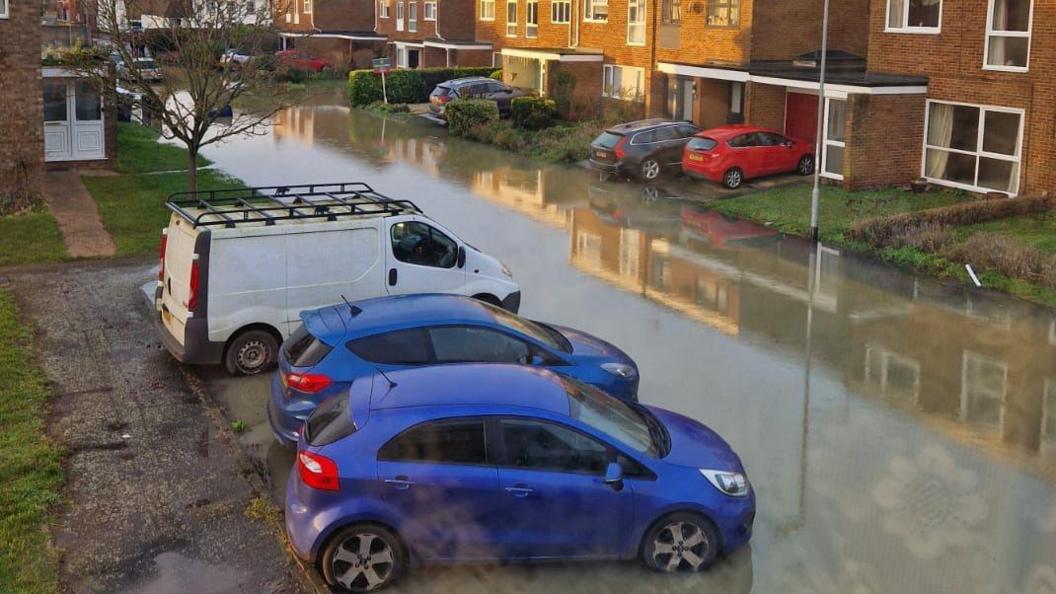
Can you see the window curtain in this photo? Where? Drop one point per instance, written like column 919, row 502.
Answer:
column 997, row 44
column 895, row 10
column 940, row 133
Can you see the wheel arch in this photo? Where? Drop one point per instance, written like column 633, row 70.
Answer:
column 488, row 298
column 334, row 529
column 681, row 508
column 249, row 328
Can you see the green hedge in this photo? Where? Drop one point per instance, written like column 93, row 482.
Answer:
column 404, row 86
column 463, row 114
column 533, row 113
column 497, row 75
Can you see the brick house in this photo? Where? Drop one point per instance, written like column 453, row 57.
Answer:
column 586, row 54
column 21, row 108
column 341, row 31
column 428, row 33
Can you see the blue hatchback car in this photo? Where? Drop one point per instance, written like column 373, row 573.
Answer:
column 337, row 344
column 493, row 463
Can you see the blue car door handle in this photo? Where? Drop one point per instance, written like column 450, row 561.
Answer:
column 519, row 491
column 401, row 483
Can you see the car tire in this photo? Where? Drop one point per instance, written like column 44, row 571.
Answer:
column 680, row 542
column 362, row 558
column 733, row 178
column 805, row 165
column 649, row 170
column 251, row 353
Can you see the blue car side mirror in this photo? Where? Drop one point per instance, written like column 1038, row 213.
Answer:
column 614, row 476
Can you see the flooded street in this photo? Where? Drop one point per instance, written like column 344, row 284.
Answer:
column 900, row 434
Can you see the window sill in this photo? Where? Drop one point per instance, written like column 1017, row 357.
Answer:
column 828, row 175
column 629, row 44
column 484, row 20
column 915, row 31
column 430, row 20
column 596, row 21
column 1014, row 69
column 952, row 184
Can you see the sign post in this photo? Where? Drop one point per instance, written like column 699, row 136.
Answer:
column 382, row 66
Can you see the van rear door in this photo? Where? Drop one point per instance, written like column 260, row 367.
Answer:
column 177, row 264
column 421, row 257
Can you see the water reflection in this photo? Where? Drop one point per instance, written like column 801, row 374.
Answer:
column 901, row 433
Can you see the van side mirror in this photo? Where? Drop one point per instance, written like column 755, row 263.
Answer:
column 614, row 476
column 461, row 256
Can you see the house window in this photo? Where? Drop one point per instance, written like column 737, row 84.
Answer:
column 597, row 10
column 1008, row 35
column 430, row 10
column 973, row 147
column 835, row 142
column 399, row 15
column 412, row 19
column 671, row 12
column 3, row 9
column 635, row 22
column 724, row 13
column 983, row 386
column 560, row 12
column 892, row 374
column 914, row 16
column 487, row 10
column 401, row 57
column 531, row 19
column 385, row 8
column 511, row 18
column 306, row 6
column 623, row 82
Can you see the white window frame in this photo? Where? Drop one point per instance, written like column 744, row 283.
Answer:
column 483, row 13
column 412, row 16
column 531, row 30
column 641, row 4
column 885, row 358
column 399, row 15
column 978, row 152
column 905, row 19
column 991, row 33
column 608, row 87
column 5, row 9
column 826, row 142
column 401, row 56
column 983, row 360
column 561, row 12
column 511, row 26
column 589, row 9
column 386, row 9
column 429, row 10
column 306, row 6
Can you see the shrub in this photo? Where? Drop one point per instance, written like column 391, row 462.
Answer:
column 465, row 114
column 382, row 107
column 497, row 75
column 533, row 113
column 403, row 86
column 994, row 252
column 286, row 73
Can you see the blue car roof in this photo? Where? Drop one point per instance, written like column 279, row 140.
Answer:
column 338, row 323
column 473, row 384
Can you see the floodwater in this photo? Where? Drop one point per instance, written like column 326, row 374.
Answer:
column 900, row 434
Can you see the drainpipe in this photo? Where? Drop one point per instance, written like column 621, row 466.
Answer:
column 436, row 26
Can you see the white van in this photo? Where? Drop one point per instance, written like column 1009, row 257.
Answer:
column 239, row 266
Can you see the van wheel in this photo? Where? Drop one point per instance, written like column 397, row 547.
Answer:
column 251, row 353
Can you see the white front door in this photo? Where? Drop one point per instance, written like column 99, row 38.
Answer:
column 73, row 121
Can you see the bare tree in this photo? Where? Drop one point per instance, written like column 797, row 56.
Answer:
column 197, row 84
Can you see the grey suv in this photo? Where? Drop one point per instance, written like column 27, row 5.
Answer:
column 474, row 87
column 641, row 149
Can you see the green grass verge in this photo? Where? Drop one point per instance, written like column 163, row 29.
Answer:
column 1037, row 231
column 133, row 206
column 138, row 151
column 30, row 238
column 30, row 469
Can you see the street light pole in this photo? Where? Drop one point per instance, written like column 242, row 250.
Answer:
column 815, row 193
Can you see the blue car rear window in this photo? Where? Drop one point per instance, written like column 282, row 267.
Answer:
column 330, row 422
column 303, row 349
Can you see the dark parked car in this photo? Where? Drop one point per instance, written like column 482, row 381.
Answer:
column 473, row 87
column 642, row 149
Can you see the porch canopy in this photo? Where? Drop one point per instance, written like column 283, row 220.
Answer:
column 457, row 44
column 328, row 34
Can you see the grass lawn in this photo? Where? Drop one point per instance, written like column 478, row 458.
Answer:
column 138, row 151
column 133, row 206
column 30, row 470
column 1037, row 231
column 30, row 237
column 788, row 208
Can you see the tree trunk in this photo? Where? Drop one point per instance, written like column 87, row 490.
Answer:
column 192, row 171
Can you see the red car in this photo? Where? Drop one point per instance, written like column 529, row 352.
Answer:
column 731, row 154
column 298, row 59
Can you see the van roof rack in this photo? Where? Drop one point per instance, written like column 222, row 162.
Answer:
column 267, row 204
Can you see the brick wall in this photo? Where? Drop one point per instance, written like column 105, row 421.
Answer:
column 423, row 30
column 953, row 62
column 342, row 52
column 456, row 20
column 586, row 93
column 764, row 106
column 326, row 15
column 786, row 28
column 884, row 139
column 21, row 102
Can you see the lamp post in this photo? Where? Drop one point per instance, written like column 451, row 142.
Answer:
column 815, row 193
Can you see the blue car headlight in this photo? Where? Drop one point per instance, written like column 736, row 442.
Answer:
column 734, row 484
column 621, row 370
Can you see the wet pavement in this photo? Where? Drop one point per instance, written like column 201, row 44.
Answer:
column 155, row 502
column 901, row 434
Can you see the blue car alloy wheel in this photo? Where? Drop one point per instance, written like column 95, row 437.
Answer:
column 495, row 463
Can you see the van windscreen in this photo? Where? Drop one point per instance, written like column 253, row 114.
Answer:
column 303, row 349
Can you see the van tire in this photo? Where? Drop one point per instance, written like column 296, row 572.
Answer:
column 251, row 352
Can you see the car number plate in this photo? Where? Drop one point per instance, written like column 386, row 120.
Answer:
column 601, row 154
column 696, row 157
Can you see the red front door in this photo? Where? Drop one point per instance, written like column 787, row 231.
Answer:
column 801, row 116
